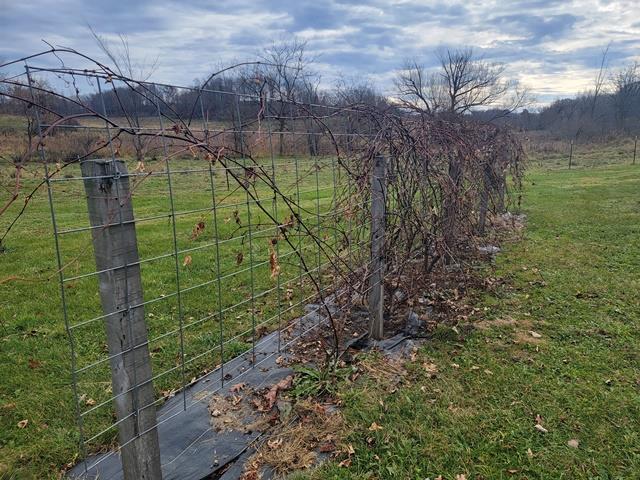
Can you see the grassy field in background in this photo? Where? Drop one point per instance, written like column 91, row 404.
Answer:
column 573, row 281
column 555, row 154
column 34, row 353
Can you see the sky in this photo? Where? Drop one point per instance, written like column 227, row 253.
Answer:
column 553, row 47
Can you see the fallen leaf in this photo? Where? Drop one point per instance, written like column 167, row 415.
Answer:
column 374, row 426
column 345, row 463
column 540, row 428
column 529, row 453
column 33, row 363
column 90, row 402
column 23, row 423
column 430, row 368
column 275, row 443
column 272, row 394
column 216, row 413
column 237, row 387
column 535, row 334
column 573, row 443
column 187, row 261
column 461, row 476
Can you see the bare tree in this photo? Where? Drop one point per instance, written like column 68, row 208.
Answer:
column 124, row 64
column 462, row 82
column 599, row 80
column 286, row 72
column 470, row 81
column 419, row 89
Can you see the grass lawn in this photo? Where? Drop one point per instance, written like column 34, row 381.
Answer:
column 574, row 282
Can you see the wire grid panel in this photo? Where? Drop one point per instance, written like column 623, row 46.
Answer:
column 244, row 210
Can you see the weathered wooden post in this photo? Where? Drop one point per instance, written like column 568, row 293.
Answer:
column 635, row 149
column 487, row 187
column 106, row 184
column 376, row 281
column 570, row 153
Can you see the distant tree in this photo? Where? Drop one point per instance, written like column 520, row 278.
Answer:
column 286, row 70
column 599, row 80
column 463, row 82
column 626, row 94
column 419, row 89
column 127, row 94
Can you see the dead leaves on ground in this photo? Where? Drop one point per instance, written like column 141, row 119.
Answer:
column 296, row 446
column 375, row 427
column 272, row 394
column 538, row 426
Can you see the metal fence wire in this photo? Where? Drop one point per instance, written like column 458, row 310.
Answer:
column 193, row 223
column 181, row 241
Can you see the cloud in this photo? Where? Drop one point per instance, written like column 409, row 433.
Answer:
column 535, row 28
column 552, row 45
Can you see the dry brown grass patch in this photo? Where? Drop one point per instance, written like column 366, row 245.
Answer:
column 296, row 445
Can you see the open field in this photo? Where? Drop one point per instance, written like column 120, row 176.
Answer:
column 573, row 281
column 34, row 358
column 549, row 153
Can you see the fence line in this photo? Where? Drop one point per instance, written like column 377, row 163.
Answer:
column 213, row 235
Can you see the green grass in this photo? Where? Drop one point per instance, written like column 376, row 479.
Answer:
column 34, row 349
column 574, row 279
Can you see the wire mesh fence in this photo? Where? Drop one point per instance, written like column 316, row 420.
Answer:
column 181, row 242
column 192, row 223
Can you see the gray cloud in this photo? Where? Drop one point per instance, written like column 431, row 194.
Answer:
column 552, row 45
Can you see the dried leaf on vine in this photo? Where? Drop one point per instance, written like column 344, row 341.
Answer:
column 273, row 259
column 239, row 258
column 198, row 228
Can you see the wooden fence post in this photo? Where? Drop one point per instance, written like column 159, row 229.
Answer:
column 376, row 281
column 570, row 154
column 106, row 184
column 635, row 149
